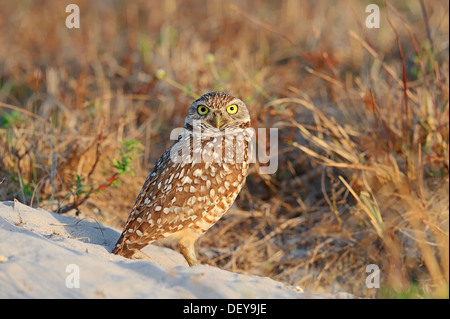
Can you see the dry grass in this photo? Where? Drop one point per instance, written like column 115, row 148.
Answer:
column 362, row 117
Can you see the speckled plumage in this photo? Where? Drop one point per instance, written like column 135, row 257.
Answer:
column 195, row 181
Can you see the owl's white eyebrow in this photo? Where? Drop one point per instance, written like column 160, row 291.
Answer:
column 235, row 101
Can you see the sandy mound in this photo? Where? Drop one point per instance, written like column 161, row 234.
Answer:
column 46, row 255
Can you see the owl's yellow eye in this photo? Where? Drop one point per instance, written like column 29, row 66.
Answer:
column 202, row 110
column 232, row 109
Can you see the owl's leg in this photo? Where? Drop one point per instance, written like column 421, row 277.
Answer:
column 188, row 250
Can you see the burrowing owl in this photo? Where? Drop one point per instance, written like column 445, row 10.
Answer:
column 195, row 181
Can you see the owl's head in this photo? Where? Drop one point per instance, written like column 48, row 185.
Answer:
column 218, row 110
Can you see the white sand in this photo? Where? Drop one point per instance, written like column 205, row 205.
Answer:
column 37, row 246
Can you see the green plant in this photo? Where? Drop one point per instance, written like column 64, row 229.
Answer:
column 123, row 165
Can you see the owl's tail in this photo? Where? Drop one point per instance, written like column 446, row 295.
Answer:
column 130, row 250
column 120, row 248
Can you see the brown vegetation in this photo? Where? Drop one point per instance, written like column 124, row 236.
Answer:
column 362, row 116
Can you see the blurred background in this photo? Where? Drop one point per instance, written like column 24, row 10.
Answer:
column 362, row 116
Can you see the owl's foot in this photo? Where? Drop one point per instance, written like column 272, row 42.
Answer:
column 188, row 250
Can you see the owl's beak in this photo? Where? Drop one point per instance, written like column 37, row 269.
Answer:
column 217, row 121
